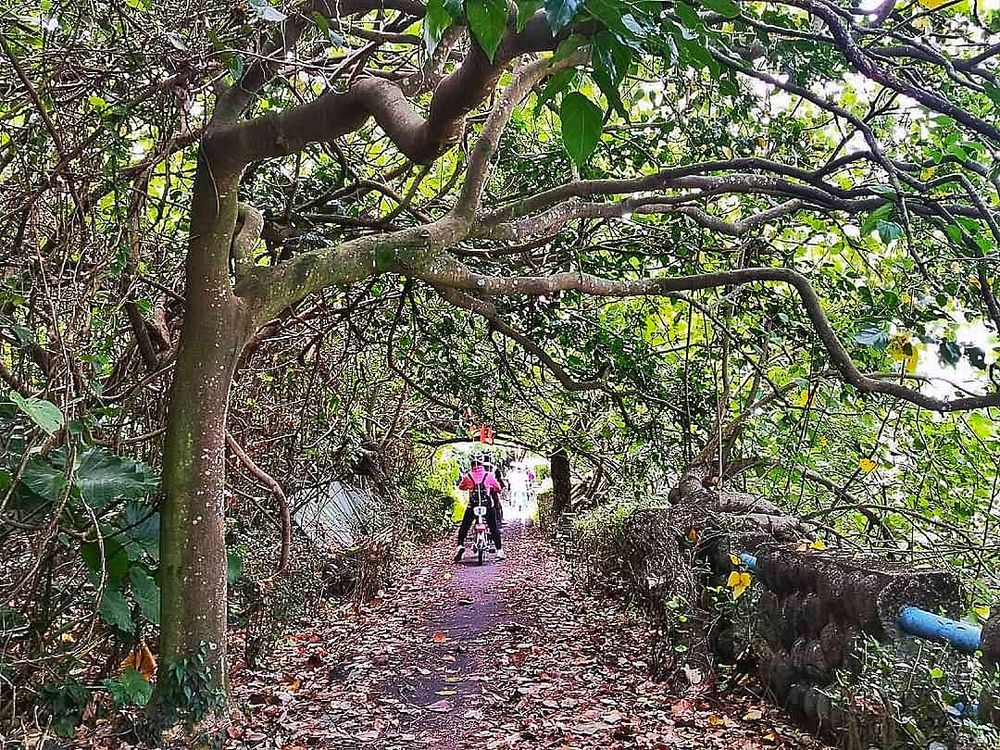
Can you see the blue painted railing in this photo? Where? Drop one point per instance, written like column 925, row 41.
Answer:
column 918, row 622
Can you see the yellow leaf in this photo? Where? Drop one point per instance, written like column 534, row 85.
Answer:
column 739, row 582
column 142, row 660
column 913, row 358
column 866, row 465
column 818, row 544
column 802, row 399
column 982, row 611
column 734, row 560
column 932, row 4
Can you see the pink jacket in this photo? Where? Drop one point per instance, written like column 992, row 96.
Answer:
column 479, row 475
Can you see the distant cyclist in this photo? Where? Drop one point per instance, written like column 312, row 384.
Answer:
column 483, row 489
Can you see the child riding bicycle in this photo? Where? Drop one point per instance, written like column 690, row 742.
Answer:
column 483, row 489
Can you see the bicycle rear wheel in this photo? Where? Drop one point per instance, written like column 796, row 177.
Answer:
column 481, row 553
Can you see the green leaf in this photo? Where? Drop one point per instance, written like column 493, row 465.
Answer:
column 688, row 16
column 881, row 213
column 114, row 610
column 234, row 567
column 889, row 231
column 725, row 8
column 115, row 561
column 581, row 126
column 130, row 689
column 103, row 477
column 43, row 413
column 440, row 14
column 612, row 14
column 43, row 479
column 981, row 425
column 488, row 21
column 141, row 531
column 560, row 12
column 611, row 59
column 993, row 92
column 146, row 593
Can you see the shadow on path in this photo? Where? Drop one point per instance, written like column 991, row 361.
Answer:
column 457, row 668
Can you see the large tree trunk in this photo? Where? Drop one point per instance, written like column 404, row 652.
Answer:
column 192, row 530
column 559, row 466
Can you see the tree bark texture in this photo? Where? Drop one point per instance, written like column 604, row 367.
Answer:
column 192, row 532
column 559, row 466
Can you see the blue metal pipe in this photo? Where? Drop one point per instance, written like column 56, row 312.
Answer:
column 962, row 635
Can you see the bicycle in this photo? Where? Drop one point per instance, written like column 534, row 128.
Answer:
column 481, row 541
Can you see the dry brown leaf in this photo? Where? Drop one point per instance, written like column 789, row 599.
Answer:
column 142, row 660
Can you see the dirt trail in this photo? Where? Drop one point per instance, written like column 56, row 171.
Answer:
column 510, row 655
column 457, row 663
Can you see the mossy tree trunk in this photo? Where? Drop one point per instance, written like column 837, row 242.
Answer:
column 216, row 326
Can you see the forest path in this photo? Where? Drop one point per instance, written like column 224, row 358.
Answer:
column 507, row 655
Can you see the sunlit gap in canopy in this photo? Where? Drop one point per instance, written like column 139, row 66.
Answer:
column 523, row 474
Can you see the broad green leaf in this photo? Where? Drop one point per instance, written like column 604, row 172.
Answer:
column 141, row 531
column 43, row 479
column 114, row 610
column 981, row 425
column 581, row 126
column 725, row 8
column 488, row 21
column 688, row 16
column 146, row 593
column 43, row 413
column 612, row 14
column 115, row 561
column 560, row 12
column 611, row 59
column 103, row 477
column 871, row 222
column 130, row 689
column 889, row 231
